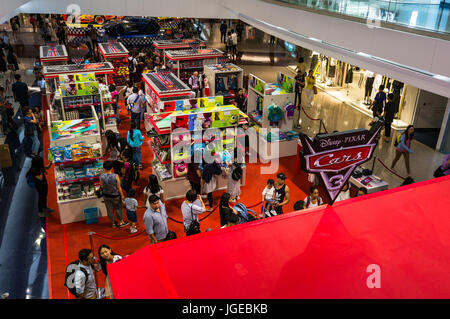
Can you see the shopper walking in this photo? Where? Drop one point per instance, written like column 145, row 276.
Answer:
column 389, row 112
column 190, row 209
column 282, row 194
column 33, row 22
column 313, row 200
column 93, row 37
column 229, row 45
column 131, row 205
column 234, row 181
column 234, row 43
column 112, row 147
column 310, row 82
column 223, row 31
column 136, row 102
column 155, row 220
column 38, row 173
column 135, row 140
column 31, row 131
column 241, row 100
column 268, row 196
column 3, row 113
column 301, row 67
column 239, row 30
column 112, row 194
column 403, row 147
column 127, row 173
column 107, row 256
column 210, row 170
column 132, row 68
column 3, row 64
column 194, row 83
column 378, row 103
column 298, row 89
column 20, row 91
column 153, row 188
column 115, row 101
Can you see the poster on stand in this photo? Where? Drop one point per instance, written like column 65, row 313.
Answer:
column 334, row 157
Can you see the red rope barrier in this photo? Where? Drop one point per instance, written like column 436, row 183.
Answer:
column 391, row 170
column 312, row 119
column 119, row 238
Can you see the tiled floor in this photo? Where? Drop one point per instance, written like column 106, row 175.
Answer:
column 23, row 257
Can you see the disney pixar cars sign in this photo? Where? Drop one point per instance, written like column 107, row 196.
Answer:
column 335, row 156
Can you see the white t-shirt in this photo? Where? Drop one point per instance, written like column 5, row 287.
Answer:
column 268, row 193
column 343, row 196
column 83, row 286
column 311, row 204
column 148, row 193
column 186, row 211
column 234, row 38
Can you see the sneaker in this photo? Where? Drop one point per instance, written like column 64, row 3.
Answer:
column 114, row 225
column 43, row 214
column 133, row 230
column 123, row 224
column 140, row 166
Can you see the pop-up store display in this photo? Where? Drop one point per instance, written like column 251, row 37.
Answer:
column 271, row 106
column 53, row 54
column 183, row 132
column 76, row 150
column 224, row 79
column 77, row 93
column 116, row 53
column 184, row 63
column 160, row 46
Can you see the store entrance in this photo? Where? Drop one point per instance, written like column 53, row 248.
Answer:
column 430, row 111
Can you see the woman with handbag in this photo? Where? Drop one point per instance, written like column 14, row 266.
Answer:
column 310, row 88
column 191, row 207
column 31, row 123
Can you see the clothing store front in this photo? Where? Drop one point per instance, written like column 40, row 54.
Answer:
column 357, row 87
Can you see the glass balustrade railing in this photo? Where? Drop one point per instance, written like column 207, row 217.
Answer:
column 430, row 15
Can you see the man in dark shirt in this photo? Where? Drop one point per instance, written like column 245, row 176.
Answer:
column 389, row 112
column 20, row 91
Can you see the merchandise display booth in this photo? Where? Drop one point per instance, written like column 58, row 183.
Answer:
column 175, row 44
column 77, row 155
column 185, row 62
column 161, row 87
column 116, row 53
column 271, row 105
column 81, row 99
column 53, row 54
column 224, row 79
column 76, row 94
column 180, row 133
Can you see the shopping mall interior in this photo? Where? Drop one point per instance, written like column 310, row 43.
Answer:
column 77, row 62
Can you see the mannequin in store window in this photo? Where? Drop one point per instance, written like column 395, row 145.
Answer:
column 370, row 78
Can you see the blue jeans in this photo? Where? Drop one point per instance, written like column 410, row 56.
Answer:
column 137, row 118
column 36, row 143
column 137, row 155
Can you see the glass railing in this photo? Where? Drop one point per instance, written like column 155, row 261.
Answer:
column 429, row 15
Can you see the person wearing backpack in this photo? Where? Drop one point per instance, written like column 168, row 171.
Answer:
column 234, row 181
column 403, row 147
column 135, row 140
column 190, row 209
column 194, row 83
column 136, row 103
column 112, row 194
column 313, row 200
column 132, row 67
column 130, row 170
column 79, row 277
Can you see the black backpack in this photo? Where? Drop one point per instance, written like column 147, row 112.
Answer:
column 69, row 279
column 131, row 65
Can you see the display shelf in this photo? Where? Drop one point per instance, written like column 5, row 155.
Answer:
column 159, row 143
column 116, row 53
column 214, row 72
column 100, row 68
column 157, row 155
column 67, row 201
column 256, row 91
column 78, row 180
column 83, row 161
